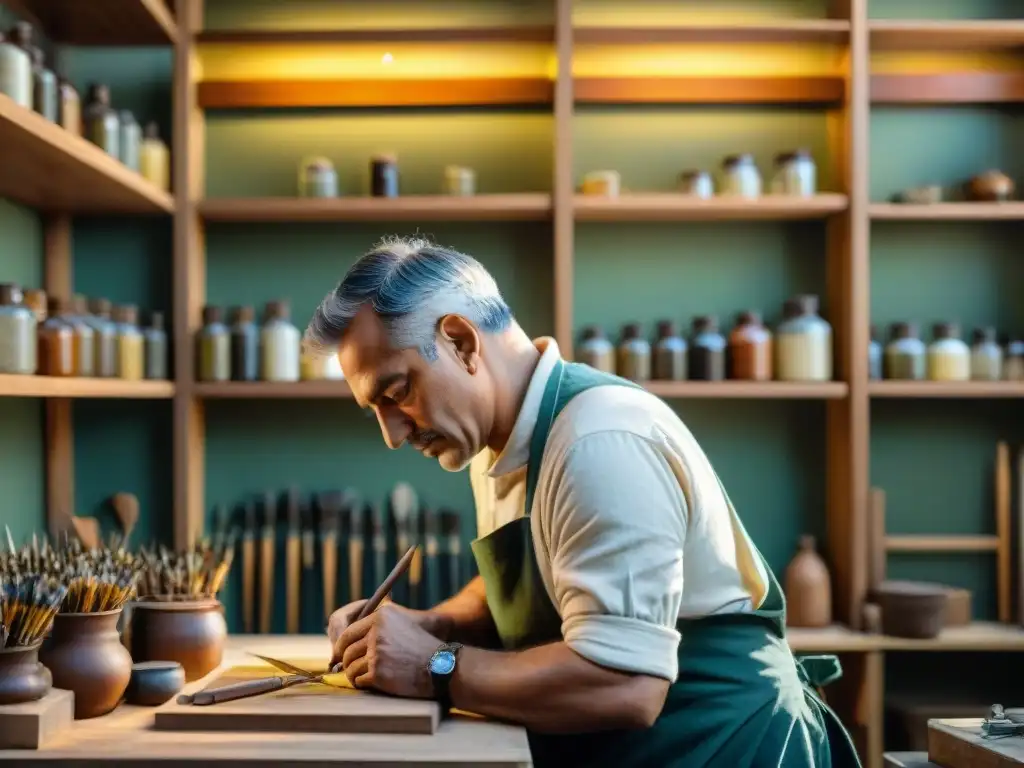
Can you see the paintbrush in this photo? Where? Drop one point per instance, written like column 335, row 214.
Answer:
column 193, row 574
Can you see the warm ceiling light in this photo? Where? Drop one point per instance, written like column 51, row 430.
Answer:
column 387, row 58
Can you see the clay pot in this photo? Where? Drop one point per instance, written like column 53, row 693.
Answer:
column 191, row 633
column 154, row 683
column 85, row 655
column 991, row 186
column 911, row 608
column 808, row 588
column 22, row 677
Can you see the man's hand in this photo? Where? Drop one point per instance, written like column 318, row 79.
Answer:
column 388, row 650
column 342, row 618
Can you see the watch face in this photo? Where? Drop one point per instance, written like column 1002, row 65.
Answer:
column 442, row 663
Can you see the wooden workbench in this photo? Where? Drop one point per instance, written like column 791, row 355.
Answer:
column 127, row 736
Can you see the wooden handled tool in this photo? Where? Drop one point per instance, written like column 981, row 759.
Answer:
column 453, row 540
column 267, row 561
column 330, row 516
column 404, row 504
column 243, row 690
column 292, row 562
column 1003, row 588
column 379, row 543
column 249, row 567
column 126, row 507
column 387, row 584
column 355, row 551
column 88, row 530
column 431, row 549
column 308, row 536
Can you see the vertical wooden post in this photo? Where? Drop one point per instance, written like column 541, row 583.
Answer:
column 60, row 448
column 189, row 282
column 562, row 194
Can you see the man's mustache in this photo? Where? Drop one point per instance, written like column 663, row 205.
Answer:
column 421, row 440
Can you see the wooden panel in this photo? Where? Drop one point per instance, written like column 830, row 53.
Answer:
column 709, row 90
column 678, row 207
column 511, row 207
column 946, row 35
column 48, row 168
column 785, row 31
column 450, row 92
column 952, row 88
column 1008, row 211
column 750, row 390
column 62, row 387
column 269, row 390
column 947, row 389
column 102, row 22
column 562, row 183
column 36, row 724
column 949, row 543
column 961, row 744
column 524, row 34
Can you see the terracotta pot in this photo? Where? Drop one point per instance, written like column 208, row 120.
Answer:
column 911, row 608
column 22, row 677
column 85, row 655
column 808, row 588
column 190, row 633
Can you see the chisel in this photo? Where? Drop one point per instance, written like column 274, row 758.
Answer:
column 379, row 544
column 248, row 567
column 292, row 561
column 431, row 549
column 267, row 561
column 355, row 551
column 330, row 516
column 453, row 540
column 308, row 535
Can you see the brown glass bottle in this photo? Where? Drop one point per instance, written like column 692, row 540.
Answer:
column 669, row 353
column 634, row 354
column 750, row 349
column 595, row 350
column 56, row 342
column 384, row 176
column 85, row 337
column 707, row 350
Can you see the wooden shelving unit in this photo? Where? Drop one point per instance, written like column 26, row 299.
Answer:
column 788, row 31
column 1008, row 211
column 777, row 89
column 102, row 22
column 677, row 207
column 947, row 389
column 46, row 167
column 516, row 34
column 959, row 35
column 56, row 386
column 272, row 390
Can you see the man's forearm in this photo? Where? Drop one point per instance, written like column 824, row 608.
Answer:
column 465, row 618
column 550, row 688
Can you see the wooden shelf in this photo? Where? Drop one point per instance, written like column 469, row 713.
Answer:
column 1009, row 211
column 678, row 207
column 512, row 207
column 749, row 390
column 59, row 386
column 268, row 390
column 101, row 22
column 789, row 31
column 950, row 88
column 947, row 389
column 49, row 168
column 834, row 639
column 523, row 34
column 709, row 90
column 890, row 35
column 445, row 92
column 978, row 636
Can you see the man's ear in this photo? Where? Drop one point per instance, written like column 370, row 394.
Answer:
column 463, row 338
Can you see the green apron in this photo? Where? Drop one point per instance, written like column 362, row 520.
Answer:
column 741, row 699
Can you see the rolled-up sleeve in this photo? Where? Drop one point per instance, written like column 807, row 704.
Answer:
column 615, row 538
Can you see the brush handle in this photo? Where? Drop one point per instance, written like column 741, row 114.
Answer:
column 239, row 690
column 382, row 591
column 329, row 564
column 248, row 583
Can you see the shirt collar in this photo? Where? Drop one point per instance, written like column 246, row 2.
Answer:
column 516, row 453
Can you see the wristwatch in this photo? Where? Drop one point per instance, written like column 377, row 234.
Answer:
column 442, row 667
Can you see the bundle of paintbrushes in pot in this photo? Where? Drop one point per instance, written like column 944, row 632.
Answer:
column 194, row 574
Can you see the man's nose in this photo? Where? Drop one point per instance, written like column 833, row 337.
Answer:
column 394, row 426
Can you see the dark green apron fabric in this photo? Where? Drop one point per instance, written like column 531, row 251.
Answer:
column 741, row 699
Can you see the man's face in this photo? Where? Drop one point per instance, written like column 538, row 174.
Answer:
column 440, row 407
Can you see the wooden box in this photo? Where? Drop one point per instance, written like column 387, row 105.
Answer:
column 32, row 725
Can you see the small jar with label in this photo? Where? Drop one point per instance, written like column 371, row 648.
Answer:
column 795, row 174
column 634, row 354
column 986, row 356
column 130, row 140
column 874, row 354
column 697, row 184
column 803, row 341
column 56, row 343
column 245, row 345
column 45, row 94
column 154, row 342
column 76, row 314
column 17, row 332
column 15, row 71
column 904, row 354
column 131, row 359
column 280, row 344
column 214, row 347
column 383, row 182
column 105, row 338
column 750, row 349
column 155, row 158
column 707, row 350
column 601, row 184
column 949, row 357
column 1013, row 364
column 459, row 181
column 317, row 178
column 596, row 350
column 740, row 177
column 101, row 123
column 670, row 353
column 70, row 109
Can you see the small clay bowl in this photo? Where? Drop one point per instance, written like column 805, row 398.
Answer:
column 154, row 683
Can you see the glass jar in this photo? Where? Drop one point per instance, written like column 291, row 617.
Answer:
column 459, row 181
column 155, row 159
column 101, row 123
column 104, row 339
column 15, row 71
column 56, row 345
column 280, row 344
column 707, row 350
column 750, row 349
column 697, row 184
column 795, row 173
column 130, row 140
column 17, row 332
column 986, row 356
column 45, row 96
column 214, row 347
column 131, row 359
column 601, row 183
column 76, row 315
column 949, row 358
column 70, row 107
column 1013, row 365
column 874, row 354
column 670, row 352
column 634, row 354
column 154, row 342
column 595, row 350
column 740, row 177
column 317, row 178
column 383, row 180
column 803, row 342
column 904, row 354
column 245, row 345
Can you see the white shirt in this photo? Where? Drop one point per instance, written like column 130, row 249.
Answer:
column 630, row 526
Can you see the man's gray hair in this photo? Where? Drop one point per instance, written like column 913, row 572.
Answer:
column 411, row 284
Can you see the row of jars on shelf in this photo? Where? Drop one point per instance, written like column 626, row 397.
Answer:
column 793, row 173
column 319, row 178
column 26, row 79
column 799, row 350
column 947, row 357
column 242, row 350
column 52, row 336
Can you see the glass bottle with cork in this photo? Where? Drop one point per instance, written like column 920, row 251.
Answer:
column 76, row 315
column 986, row 356
column 1013, row 364
column 874, row 354
column 707, row 350
column 280, row 343
column 154, row 343
column 129, row 140
column 131, row 364
column 905, row 353
column 803, row 342
column 45, row 94
column 214, row 347
column 70, row 108
column 750, row 348
column 155, row 158
column 17, row 332
column 634, row 354
column 101, row 122
column 596, row 350
column 949, row 357
column 384, row 175
column 15, row 70
column 670, row 351
column 56, row 342
column 245, row 345
column 104, row 339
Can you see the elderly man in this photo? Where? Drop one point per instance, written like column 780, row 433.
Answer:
column 622, row 614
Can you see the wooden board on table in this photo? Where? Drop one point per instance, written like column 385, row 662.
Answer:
column 32, row 725
column 961, row 744
column 304, row 708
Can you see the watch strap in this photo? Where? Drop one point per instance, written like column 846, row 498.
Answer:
column 441, row 682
